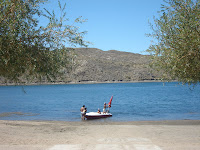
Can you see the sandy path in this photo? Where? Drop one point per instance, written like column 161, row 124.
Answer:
column 51, row 135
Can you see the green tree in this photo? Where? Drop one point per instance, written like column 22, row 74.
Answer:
column 176, row 49
column 26, row 48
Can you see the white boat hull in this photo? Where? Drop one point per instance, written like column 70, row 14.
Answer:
column 95, row 115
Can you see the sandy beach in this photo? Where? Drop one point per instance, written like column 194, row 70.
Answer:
column 91, row 135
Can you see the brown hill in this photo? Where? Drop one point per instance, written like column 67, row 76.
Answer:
column 93, row 64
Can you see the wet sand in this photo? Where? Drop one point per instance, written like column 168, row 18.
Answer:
column 91, row 135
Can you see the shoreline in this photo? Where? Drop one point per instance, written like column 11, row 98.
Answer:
column 84, row 82
column 93, row 122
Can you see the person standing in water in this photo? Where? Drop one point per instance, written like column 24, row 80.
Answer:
column 83, row 112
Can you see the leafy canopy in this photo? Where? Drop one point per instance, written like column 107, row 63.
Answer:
column 176, row 50
column 26, row 48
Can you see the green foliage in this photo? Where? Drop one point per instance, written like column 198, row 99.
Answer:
column 26, row 49
column 177, row 41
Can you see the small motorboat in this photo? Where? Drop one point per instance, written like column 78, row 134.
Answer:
column 96, row 115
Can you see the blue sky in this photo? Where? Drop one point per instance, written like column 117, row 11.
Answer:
column 113, row 24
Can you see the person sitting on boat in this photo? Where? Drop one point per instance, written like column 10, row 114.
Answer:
column 104, row 108
column 99, row 111
column 83, row 112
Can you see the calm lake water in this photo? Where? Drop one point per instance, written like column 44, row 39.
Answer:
column 131, row 102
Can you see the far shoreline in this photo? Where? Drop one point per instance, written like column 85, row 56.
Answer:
column 84, row 82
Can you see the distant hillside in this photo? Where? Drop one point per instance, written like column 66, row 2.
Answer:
column 95, row 65
column 110, row 66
